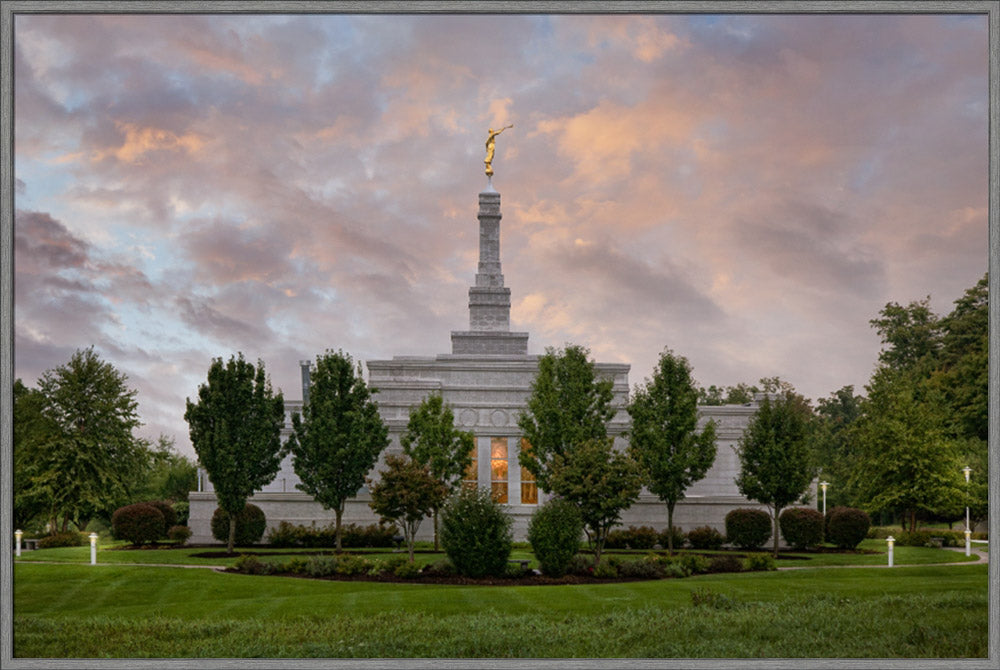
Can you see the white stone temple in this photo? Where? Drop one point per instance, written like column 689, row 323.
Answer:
column 486, row 379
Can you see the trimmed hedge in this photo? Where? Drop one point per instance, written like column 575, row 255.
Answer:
column 554, row 533
column 168, row 512
column 679, row 538
column 847, row 526
column 476, row 533
column 179, row 534
column 286, row 534
column 802, row 527
column 748, row 528
column 705, row 537
column 250, row 525
column 139, row 523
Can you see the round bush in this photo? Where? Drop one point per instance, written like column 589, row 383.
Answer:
column 802, row 526
column 678, row 537
column 250, row 525
column 168, row 512
column 705, row 537
column 554, row 533
column 748, row 528
column 138, row 523
column 847, row 526
column 179, row 534
column 476, row 534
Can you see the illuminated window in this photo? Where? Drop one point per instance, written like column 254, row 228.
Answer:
column 498, row 468
column 471, row 479
column 529, row 489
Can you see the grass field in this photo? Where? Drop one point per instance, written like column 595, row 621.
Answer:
column 130, row 612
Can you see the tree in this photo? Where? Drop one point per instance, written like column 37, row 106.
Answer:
column 601, row 482
column 664, row 438
column 338, row 438
column 88, row 461
column 405, row 494
column 729, row 395
column 236, row 432
column 568, row 405
column 774, row 457
column 904, row 460
column 912, row 334
column 34, row 435
column 171, row 475
column 431, row 439
column 831, row 446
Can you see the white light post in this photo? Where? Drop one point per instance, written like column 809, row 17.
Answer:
column 890, row 540
column 968, row 530
column 93, row 548
column 823, row 486
column 17, row 535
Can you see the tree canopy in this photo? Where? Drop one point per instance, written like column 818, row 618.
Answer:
column 664, row 436
column 775, row 464
column 405, row 493
column 431, row 439
column 339, row 436
column 236, row 431
column 569, row 404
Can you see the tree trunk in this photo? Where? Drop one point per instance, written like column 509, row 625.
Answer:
column 435, row 529
column 410, row 540
column 232, row 533
column 913, row 519
column 340, row 514
column 670, row 528
column 776, row 531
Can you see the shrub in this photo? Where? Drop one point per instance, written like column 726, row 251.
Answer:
column 284, row 535
column 169, row 515
column 917, row 538
column 847, row 526
column 321, row 566
column 748, row 528
column 476, row 533
column 440, row 568
column 554, row 533
column 297, row 566
column 349, row 565
column 372, row 535
column 182, row 508
column 694, row 564
column 390, row 563
column 407, row 570
column 674, row 570
column 580, row 564
column 802, row 527
column 705, row 537
column 759, row 562
column 251, row 565
column 250, row 525
column 641, row 537
column 138, row 523
column 179, row 534
column 725, row 564
column 60, row 540
column 605, row 570
column 641, row 568
column 679, row 537
column 515, row 571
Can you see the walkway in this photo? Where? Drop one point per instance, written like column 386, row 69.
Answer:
column 981, row 557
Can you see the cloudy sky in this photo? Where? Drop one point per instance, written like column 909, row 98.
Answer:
column 746, row 190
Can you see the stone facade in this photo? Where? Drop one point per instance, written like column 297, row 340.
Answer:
column 487, row 381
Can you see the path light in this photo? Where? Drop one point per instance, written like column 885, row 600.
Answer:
column 17, row 535
column 93, row 548
column 823, row 486
column 890, row 540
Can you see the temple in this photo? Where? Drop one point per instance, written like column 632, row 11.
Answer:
column 487, row 379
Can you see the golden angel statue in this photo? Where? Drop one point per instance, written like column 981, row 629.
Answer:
column 491, row 147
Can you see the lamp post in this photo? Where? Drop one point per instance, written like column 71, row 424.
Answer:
column 890, row 540
column 17, row 535
column 968, row 530
column 93, row 548
column 823, row 486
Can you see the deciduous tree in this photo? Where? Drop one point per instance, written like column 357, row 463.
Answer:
column 775, row 468
column 339, row 436
column 236, row 432
column 406, row 493
column 569, row 404
column 664, row 437
column 431, row 439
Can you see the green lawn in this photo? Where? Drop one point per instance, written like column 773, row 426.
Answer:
column 124, row 611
